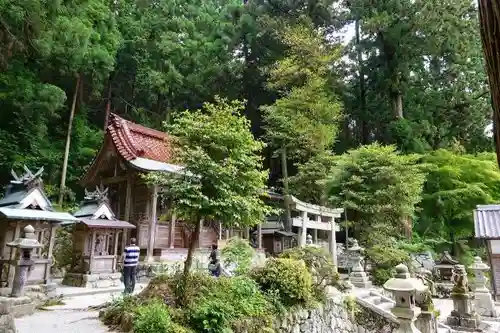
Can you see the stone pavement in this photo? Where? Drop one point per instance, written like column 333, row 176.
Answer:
column 72, row 317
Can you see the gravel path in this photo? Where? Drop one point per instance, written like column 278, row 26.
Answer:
column 72, row 317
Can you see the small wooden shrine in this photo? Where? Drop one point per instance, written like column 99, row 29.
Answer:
column 128, row 151
column 95, row 243
column 444, row 266
column 23, row 204
column 275, row 239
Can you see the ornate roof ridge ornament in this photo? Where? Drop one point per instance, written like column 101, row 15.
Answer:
column 28, row 178
column 100, row 194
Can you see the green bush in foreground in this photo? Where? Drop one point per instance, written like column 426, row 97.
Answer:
column 238, row 252
column 320, row 264
column 153, row 318
column 288, row 277
column 230, row 302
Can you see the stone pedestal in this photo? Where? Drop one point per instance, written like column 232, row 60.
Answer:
column 358, row 276
column 463, row 316
column 103, row 280
column 7, row 324
column 426, row 322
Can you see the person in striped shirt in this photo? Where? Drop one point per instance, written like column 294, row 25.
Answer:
column 130, row 261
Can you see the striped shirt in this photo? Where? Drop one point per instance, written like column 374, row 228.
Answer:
column 131, row 256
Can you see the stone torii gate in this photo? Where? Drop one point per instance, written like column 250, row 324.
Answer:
column 322, row 213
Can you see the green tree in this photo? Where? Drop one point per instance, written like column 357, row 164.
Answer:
column 82, row 43
column 455, row 185
column 303, row 121
column 222, row 179
column 309, row 184
column 422, row 78
column 175, row 56
column 379, row 188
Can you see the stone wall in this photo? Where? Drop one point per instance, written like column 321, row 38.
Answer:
column 338, row 315
column 103, row 280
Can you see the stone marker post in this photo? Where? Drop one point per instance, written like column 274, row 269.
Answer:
column 404, row 289
column 483, row 302
column 358, row 276
column 25, row 246
column 463, row 315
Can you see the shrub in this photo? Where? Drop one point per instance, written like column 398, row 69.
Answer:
column 118, row 308
column 289, row 277
column 153, row 318
column 238, row 252
column 384, row 259
column 320, row 265
column 174, row 289
column 228, row 304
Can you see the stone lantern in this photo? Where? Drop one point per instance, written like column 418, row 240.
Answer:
column 24, row 247
column 358, row 276
column 404, row 290
column 483, row 302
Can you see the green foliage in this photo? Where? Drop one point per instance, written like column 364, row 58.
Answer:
column 229, row 302
column 320, row 265
column 63, row 248
column 118, row 308
column 455, row 185
column 379, row 187
column 309, row 184
column 238, row 252
column 384, row 258
column 288, row 277
column 153, row 317
column 304, row 120
column 222, row 177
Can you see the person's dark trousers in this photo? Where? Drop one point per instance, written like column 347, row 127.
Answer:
column 129, row 274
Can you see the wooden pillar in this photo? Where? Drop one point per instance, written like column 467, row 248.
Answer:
column 92, row 250
column 492, row 269
column 259, row 236
column 172, row 230
column 128, row 208
column 115, row 251
column 152, row 224
column 247, row 233
column 303, row 231
column 227, row 234
column 333, row 241
column 220, row 231
column 52, row 238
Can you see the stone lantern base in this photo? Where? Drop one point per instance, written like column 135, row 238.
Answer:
column 484, row 305
column 101, row 280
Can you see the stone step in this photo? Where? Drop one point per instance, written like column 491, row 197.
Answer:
column 363, row 293
column 386, row 306
column 373, row 299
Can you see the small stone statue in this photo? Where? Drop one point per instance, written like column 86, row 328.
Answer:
column 459, row 279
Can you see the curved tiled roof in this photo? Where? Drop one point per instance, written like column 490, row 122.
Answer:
column 133, row 140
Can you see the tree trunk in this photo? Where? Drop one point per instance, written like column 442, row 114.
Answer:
column 108, row 105
column 286, row 192
column 68, row 142
column 193, row 241
column 365, row 131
